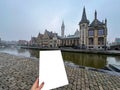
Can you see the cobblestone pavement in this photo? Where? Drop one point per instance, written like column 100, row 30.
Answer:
column 19, row 73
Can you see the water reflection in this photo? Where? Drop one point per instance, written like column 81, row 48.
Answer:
column 117, row 58
column 113, row 60
column 90, row 60
column 34, row 53
column 16, row 51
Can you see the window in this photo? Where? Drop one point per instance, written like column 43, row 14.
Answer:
column 91, row 33
column 100, row 32
column 91, row 42
column 100, row 41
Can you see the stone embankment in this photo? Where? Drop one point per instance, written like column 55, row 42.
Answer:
column 69, row 49
column 19, row 73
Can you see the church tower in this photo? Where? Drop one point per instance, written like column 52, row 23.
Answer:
column 83, row 27
column 62, row 29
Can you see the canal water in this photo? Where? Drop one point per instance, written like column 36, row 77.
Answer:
column 89, row 60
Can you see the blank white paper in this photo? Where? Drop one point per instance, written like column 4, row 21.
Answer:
column 51, row 70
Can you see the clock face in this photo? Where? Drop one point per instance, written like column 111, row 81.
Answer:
column 100, row 32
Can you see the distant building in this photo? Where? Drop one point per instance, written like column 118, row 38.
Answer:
column 116, row 44
column 92, row 35
column 89, row 36
column 22, row 42
column 71, row 40
column 117, row 41
column 48, row 39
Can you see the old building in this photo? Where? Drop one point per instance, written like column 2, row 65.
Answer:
column 92, row 35
column 33, row 41
column 21, row 42
column 71, row 40
column 48, row 39
column 39, row 39
column 89, row 36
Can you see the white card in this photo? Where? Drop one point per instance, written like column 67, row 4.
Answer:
column 51, row 70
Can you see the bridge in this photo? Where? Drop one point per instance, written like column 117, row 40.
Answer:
column 115, row 47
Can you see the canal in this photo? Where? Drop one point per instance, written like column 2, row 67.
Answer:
column 89, row 60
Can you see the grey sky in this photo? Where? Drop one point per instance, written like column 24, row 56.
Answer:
column 21, row 19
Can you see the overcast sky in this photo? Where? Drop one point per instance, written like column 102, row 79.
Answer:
column 21, row 19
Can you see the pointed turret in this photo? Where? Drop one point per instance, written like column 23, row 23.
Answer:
column 105, row 21
column 96, row 22
column 63, row 25
column 95, row 14
column 84, row 17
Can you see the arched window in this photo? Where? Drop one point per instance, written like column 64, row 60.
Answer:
column 91, row 42
column 100, row 41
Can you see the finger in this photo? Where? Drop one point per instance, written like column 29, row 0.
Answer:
column 41, row 85
column 35, row 83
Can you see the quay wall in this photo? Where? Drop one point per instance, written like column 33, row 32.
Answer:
column 104, row 52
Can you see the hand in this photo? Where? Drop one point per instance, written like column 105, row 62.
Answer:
column 36, row 85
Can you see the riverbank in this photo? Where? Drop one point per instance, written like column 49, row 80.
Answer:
column 19, row 73
column 102, row 52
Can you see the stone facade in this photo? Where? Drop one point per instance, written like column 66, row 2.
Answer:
column 33, row 41
column 71, row 40
column 92, row 35
column 48, row 39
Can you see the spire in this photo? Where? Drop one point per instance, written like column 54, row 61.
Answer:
column 105, row 21
column 95, row 14
column 62, row 29
column 63, row 25
column 84, row 14
column 84, row 17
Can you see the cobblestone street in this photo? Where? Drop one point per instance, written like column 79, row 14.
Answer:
column 19, row 73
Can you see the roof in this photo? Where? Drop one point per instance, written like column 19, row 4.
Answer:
column 40, row 35
column 50, row 34
column 96, row 22
column 70, row 38
column 84, row 17
column 77, row 33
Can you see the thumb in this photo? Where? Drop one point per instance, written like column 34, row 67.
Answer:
column 41, row 85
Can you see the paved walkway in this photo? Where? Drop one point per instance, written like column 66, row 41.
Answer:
column 19, row 73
